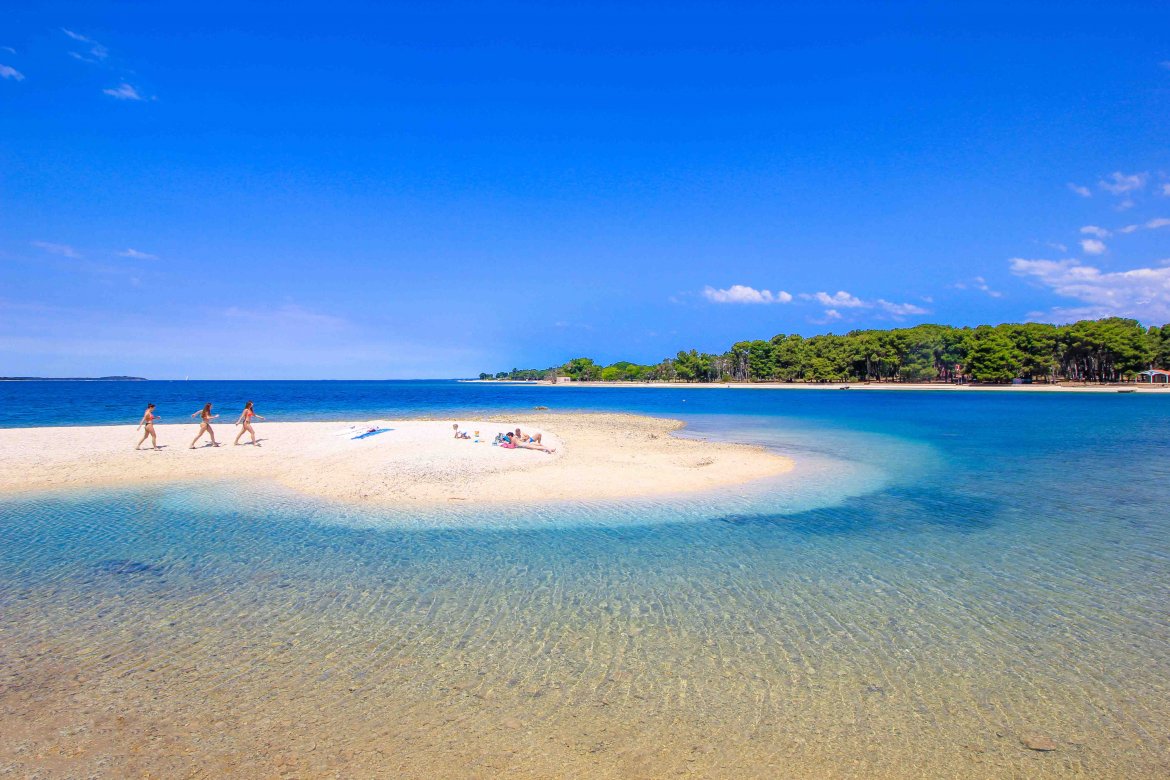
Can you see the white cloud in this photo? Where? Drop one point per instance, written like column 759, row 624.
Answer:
column 844, row 300
column 135, row 254
column 57, row 249
column 8, row 49
column 1153, row 224
column 980, row 284
column 841, row 300
column 1084, row 192
column 1141, row 293
column 96, row 50
column 739, row 293
column 123, row 92
column 1092, row 246
column 8, row 72
column 1093, row 230
column 899, row 309
column 1120, row 183
column 1166, row 189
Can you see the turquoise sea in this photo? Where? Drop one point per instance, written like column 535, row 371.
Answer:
column 945, row 582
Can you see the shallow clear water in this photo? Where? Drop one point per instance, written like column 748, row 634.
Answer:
column 941, row 579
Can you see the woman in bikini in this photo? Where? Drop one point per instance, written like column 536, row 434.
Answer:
column 147, row 426
column 205, row 417
column 513, row 441
column 245, row 420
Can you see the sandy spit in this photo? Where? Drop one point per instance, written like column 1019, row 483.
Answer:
column 598, row 457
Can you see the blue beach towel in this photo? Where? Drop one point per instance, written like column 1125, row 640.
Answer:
column 374, row 432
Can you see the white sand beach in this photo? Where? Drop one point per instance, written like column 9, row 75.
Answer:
column 598, row 456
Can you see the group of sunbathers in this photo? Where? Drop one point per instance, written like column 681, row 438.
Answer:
column 511, row 440
column 519, row 440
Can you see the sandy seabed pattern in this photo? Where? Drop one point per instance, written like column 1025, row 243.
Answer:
column 242, row 644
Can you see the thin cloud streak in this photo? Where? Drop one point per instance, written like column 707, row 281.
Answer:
column 123, row 91
column 96, row 50
column 980, row 284
column 136, row 255
column 64, row 250
column 1120, row 183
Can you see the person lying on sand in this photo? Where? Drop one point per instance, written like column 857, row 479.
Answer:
column 532, row 438
column 512, row 441
column 460, row 434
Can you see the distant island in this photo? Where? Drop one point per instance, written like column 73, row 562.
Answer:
column 1112, row 349
column 72, row 379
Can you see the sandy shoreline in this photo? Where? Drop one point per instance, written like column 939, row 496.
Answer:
column 418, row 462
column 877, row 386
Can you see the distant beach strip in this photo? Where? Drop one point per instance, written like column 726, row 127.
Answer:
column 1157, row 388
column 418, row 462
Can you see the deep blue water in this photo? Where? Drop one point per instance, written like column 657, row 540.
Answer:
column 982, row 563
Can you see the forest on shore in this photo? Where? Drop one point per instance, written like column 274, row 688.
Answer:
column 1105, row 350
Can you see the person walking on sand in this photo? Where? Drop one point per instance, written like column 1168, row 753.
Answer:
column 205, row 417
column 245, row 420
column 147, row 426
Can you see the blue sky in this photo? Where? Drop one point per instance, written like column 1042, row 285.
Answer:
column 430, row 190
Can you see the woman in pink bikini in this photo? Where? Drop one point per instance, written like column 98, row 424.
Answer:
column 147, row 426
column 245, row 420
column 205, row 417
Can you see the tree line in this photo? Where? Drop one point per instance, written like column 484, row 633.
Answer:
column 1106, row 350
